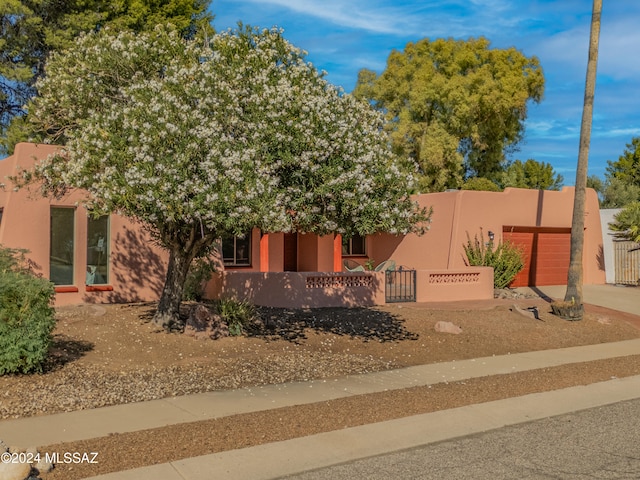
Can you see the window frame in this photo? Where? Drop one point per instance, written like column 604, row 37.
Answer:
column 236, row 262
column 347, row 246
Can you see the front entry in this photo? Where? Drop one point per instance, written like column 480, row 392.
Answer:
column 290, row 252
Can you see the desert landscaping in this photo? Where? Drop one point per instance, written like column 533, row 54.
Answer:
column 112, row 354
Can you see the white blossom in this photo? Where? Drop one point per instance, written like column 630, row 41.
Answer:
column 237, row 133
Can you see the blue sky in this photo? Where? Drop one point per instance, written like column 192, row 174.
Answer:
column 343, row 36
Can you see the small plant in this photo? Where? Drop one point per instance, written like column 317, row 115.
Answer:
column 505, row 258
column 199, row 274
column 237, row 314
column 370, row 264
column 26, row 316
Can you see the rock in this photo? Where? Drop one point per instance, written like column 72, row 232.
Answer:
column 3, row 447
column 203, row 323
column 98, row 311
column 14, row 471
column 531, row 312
column 447, row 327
column 42, row 466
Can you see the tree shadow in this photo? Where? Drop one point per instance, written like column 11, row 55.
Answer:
column 64, row 350
column 368, row 324
column 600, row 259
column 138, row 270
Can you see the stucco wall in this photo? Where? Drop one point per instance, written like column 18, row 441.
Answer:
column 137, row 264
column 300, row 289
column 457, row 213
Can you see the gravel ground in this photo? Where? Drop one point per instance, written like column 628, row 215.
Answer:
column 106, row 355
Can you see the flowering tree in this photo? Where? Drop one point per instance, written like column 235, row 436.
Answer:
column 197, row 139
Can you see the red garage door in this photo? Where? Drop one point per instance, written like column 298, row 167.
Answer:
column 546, row 252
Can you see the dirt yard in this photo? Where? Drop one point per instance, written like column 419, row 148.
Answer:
column 105, row 355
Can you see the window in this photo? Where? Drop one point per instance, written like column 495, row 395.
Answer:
column 98, row 251
column 236, row 250
column 353, row 246
column 62, row 246
column 1, row 210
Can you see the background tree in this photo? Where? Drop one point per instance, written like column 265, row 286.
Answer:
column 617, row 193
column 482, row 184
column 627, row 222
column 199, row 140
column 31, row 29
column 622, row 184
column 455, row 107
column 531, row 174
column 595, row 182
column 575, row 275
column 627, row 167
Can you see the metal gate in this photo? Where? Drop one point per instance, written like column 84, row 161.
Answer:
column 627, row 262
column 400, row 286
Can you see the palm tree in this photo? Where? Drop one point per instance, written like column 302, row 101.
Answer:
column 575, row 276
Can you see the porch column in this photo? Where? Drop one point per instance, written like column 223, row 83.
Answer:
column 264, row 252
column 337, row 253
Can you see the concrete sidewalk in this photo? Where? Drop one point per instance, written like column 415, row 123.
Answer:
column 283, row 458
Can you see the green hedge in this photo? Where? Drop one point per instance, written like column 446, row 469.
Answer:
column 27, row 318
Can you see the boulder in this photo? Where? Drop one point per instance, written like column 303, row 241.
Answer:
column 447, row 327
column 14, row 471
column 202, row 324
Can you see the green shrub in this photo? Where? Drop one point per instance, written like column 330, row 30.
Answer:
column 197, row 278
column 237, row 314
column 26, row 316
column 505, row 258
column 627, row 223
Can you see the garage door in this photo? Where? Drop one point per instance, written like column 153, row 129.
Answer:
column 546, row 252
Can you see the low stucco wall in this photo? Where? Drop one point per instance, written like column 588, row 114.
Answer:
column 473, row 283
column 350, row 289
column 300, row 289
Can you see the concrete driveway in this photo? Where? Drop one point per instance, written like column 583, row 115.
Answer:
column 622, row 298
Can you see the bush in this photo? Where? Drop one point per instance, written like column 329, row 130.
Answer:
column 199, row 274
column 505, row 258
column 26, row 316
column 237, row 314
column 627, row 223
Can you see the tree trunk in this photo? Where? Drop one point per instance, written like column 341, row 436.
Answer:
column 168, row 312
column 575, row 276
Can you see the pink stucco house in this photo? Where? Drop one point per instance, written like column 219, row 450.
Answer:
column 111, row 259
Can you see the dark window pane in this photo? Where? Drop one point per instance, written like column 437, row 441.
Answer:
column 242, row 250
column 228, row 249
column 236, row 250
column 357, row 245
column 353, row 246
column 98, row 251
column 62, row 246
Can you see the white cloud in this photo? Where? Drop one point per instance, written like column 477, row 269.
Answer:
column 353, row 14
column 619, row 132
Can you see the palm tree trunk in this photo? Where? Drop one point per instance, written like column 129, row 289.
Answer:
column 575, row 276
